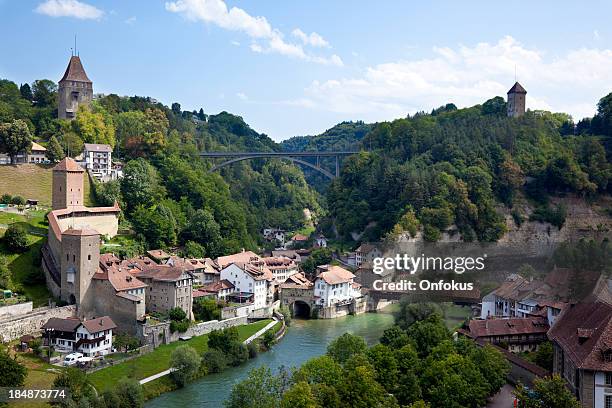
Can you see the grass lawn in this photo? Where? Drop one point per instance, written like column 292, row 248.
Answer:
column 38, row 377
column 455, row 315
column 159, row 359
column 33, row 181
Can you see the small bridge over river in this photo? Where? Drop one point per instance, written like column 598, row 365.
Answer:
column 296, row 157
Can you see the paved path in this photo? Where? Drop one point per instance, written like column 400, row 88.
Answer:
column 503, row 399
column 247, row 341
column 156, row 376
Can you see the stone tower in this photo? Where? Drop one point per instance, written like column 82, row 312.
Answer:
column 67, row 190
column 75, row 89
column 516, row 101
column 80, row 258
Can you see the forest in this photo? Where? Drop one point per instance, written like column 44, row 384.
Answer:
column 423, row 174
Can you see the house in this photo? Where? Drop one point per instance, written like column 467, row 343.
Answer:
column 274, row 234
column 158, row 255
column 516, row 334
column 98, row 159
column 288, row 253
column 281, row 267
column 334, row 285
column 203, row 270
column 297, row 240
column 93, row 337
column 320, row 241
column 240, row 257
column 251, row 281
column 168, row 286
column 366, row 253
column 219, row 290
column 582, row 343
column 37, row 155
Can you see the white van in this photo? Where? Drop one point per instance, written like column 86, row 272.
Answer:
column 72, row 358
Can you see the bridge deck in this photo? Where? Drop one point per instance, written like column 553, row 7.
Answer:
column 276, row 154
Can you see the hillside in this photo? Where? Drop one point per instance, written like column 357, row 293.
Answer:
column 32, row 181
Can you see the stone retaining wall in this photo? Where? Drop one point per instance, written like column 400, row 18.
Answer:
column 31, row 323
column 6, row 312
column 159, row 334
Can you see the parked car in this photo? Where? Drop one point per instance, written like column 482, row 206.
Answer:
column 72, row 358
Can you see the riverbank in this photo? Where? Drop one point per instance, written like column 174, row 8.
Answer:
column 159, row 360
column 304, row 339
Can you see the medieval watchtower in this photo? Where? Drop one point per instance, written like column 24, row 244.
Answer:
column 80, row 258
column 67, row 185
column 75, row 89
column 516, row 101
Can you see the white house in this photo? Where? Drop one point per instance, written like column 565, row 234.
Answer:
column 366, row 253
column 281, row 267
column 92, row 337
column 251, row 279
column 333, row 285
column 38, row 154
column 321, row 241
column 98, row 159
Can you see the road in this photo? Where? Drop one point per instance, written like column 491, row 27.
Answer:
column 503, row 399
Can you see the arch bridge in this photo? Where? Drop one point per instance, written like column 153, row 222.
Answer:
column 296, row 157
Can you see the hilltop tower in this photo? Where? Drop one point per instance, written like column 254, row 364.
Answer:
column 67, row 190
column 80, row 258
column 75, row 89
column 516, row 101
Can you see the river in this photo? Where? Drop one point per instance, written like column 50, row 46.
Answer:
column 304, row 339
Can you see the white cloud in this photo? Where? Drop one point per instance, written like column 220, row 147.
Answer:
column 236, row 43
column 130, row 20
column 69, row 8
column 257, row 28
column 467, row 75
column 242, row 96
column 313, row 39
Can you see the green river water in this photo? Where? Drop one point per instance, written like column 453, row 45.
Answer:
column 304, row 340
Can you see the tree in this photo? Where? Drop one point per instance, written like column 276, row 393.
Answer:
column 13, row 372
column 206, row 309
column 15, row 137
column 6, row 199
column 54, row 153
column 156, row 224
column 320, row 370
column 16, row 238
column 177, row 314
column 410, row 313
column 359, row 389
column 221, row 339
column 299, row 396
column 94, row 126
column 544, row 355
column 108, row 193
column 428, row 333
column 394, row 337
column 320, row 256
column 193, row 249
column 385, row 365
column 44, row 92
column 126, row 342
column 261, row 389
column 26, row 92
column 77, row 383
column 203, row 229
column 345, row 346
column 214, row 361
column 18, row 200
column 549, row 392
column 185, row 363
column 129, row 392
column 140, row 184
column 176, row 108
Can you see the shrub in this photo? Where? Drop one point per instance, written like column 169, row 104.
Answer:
column 177, row 314
column 6, row 199
column 555, row 216
column 253, row 348
column 18, row 200
column 186, row 364
column 16, row 238
column 268, row 339
column 286, row 315
column 237, row 354
column 214, row 361
column 180, row 326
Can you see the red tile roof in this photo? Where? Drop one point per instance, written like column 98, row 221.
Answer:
column 584, row 332
column 99, row 324
column 506, row 327
column 240, row 257
column 333, row 274
column 75, row 71
column 68, row 164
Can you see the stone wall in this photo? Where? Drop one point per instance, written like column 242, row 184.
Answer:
column 159, row 334
column 31, row 323
column 6, row 312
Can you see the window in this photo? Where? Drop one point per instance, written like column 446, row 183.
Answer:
column 608, row 378
column 608, row 403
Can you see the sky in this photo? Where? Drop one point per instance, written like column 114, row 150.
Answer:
column 297, row 68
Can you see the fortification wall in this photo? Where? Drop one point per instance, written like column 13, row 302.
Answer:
column 31, row 323
column 105, row 224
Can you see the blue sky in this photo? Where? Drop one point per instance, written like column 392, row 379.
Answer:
column 294, row 68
